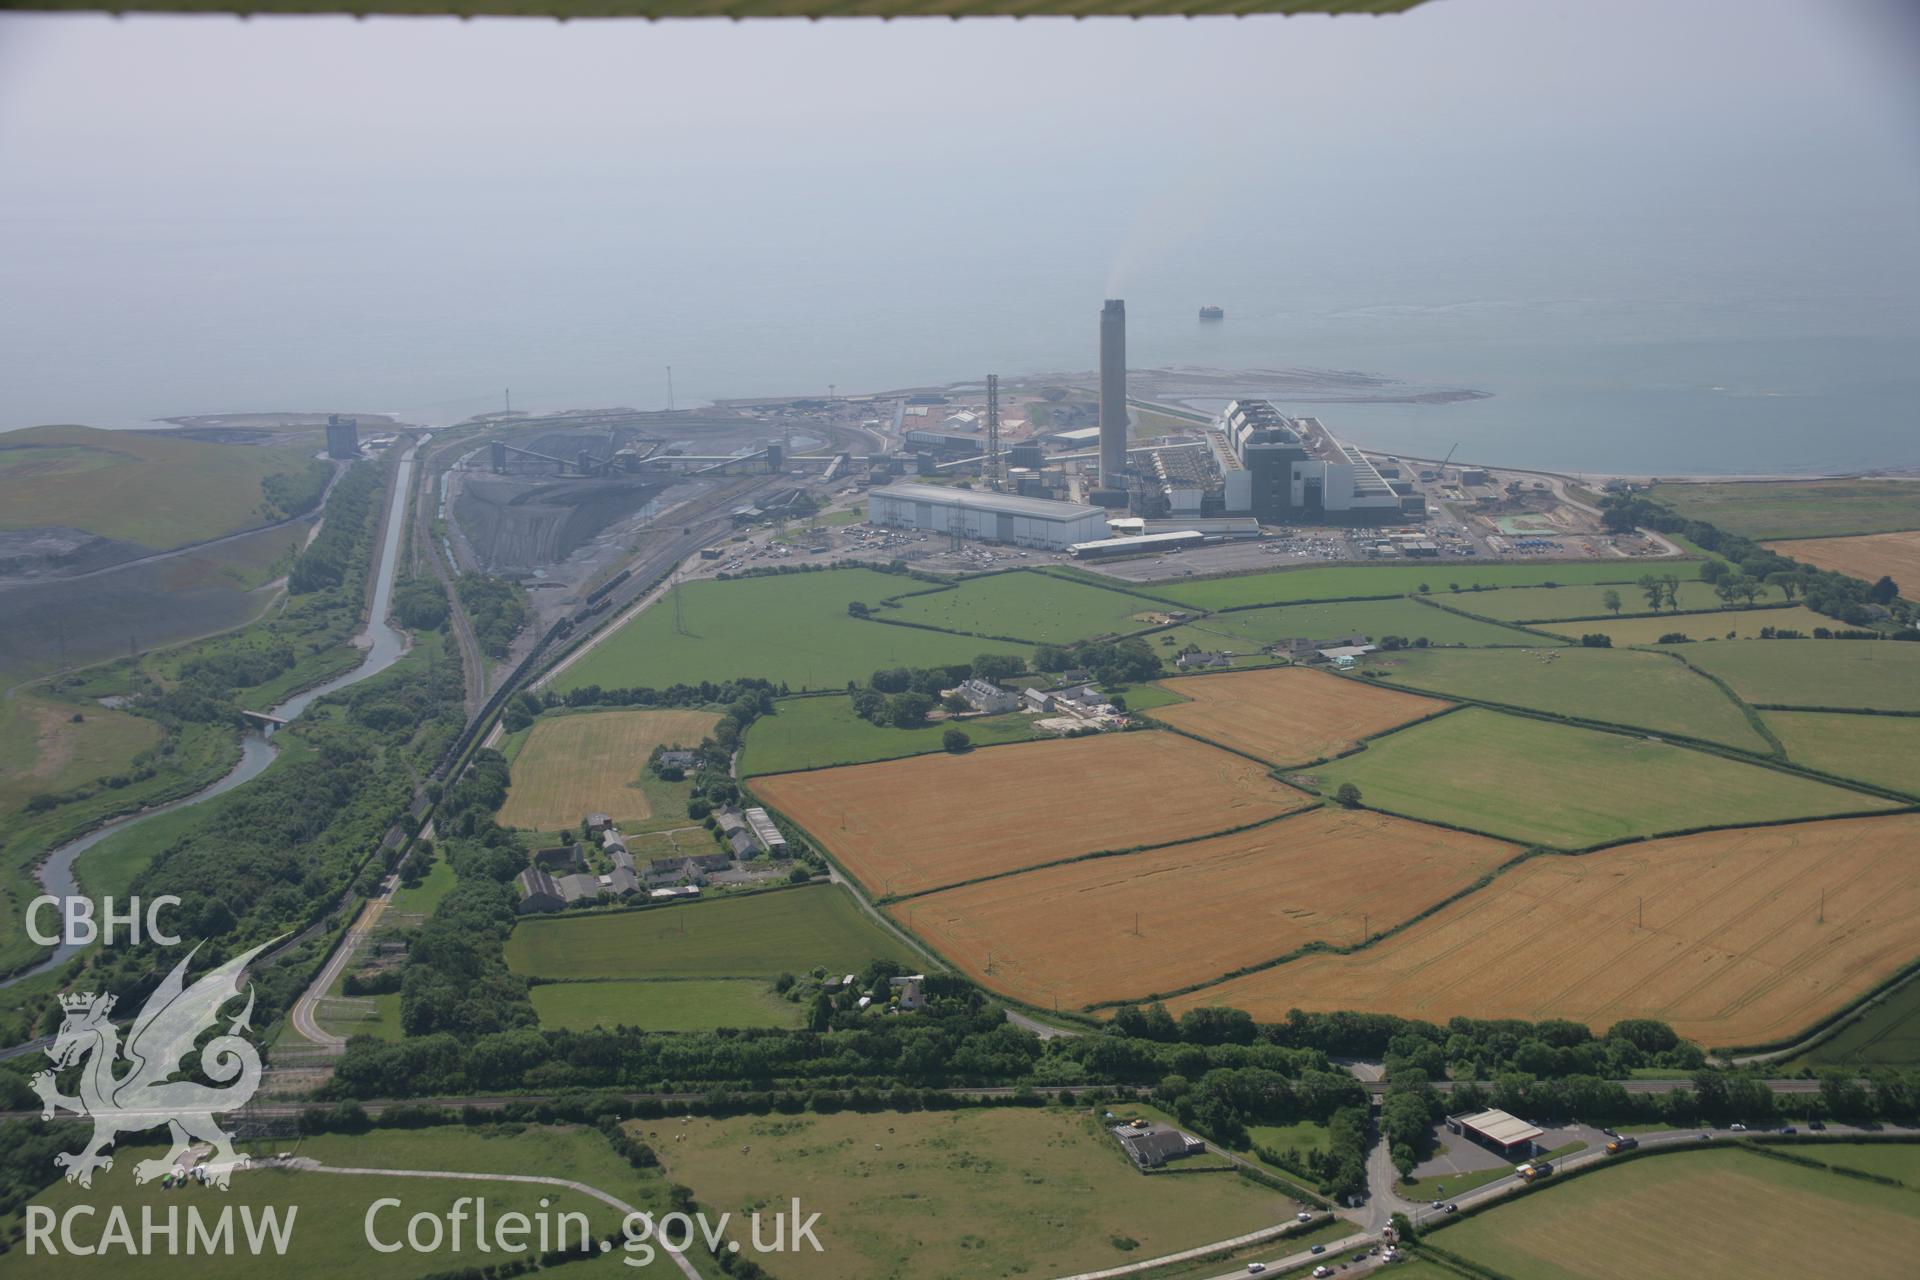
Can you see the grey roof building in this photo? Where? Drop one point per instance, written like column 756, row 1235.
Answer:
column 1154, row 1145
column 538, row 892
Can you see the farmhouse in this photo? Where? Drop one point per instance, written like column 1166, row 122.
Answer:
column 1202, row 661
column 681, row 760
column 987, row 697
column 1507, row 1134
column 908, row 985
column 766, row 832
column 1152, row 1145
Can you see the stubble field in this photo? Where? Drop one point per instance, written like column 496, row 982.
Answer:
column 1288, row 715
column 1740, row 624
column 1893, row 555
column 1723, row 935
column 1124, row 927
column 575, row 765
column 906, row 826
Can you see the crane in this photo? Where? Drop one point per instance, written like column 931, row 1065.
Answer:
column 1449, row 458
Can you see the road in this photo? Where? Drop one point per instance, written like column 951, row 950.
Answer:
column 305, row 1008
column 473, row 662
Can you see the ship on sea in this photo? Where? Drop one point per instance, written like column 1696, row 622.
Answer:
column 1211, row 312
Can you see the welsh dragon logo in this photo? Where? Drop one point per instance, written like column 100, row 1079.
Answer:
column 142, row 1096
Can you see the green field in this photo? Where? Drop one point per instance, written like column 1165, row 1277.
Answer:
column 43, row 750
column 329, row 1236
column 1696, row 1215
column 1552, row 784
column 1740, row 624
column 807, row 733
column 153, row 488
column 1871, row 674
column 752, row 935
column 1338, row 583
column 1544, row 604
column 1900, row 1160
column 1613, row 686
column 789, row 628
column 1799, row 508
column 1256, row 628
column 1885, row 1035
column 692, row 1004
column 957, row 1195
column 1884, row 750
column 1031, row 606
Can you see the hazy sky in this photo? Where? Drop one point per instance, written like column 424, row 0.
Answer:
column 148, row 164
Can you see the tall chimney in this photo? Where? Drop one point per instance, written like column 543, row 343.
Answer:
column 1113, row 393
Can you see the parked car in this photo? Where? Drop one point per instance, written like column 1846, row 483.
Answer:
column 1816, row 1125
column 1322, row 1272
column 1788, row 1129
column 1738, row 1127
column 1303, row 1216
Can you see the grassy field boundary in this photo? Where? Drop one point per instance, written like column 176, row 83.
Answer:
column 1545, row 637
column 1356, row 564
column 893, row 601
column 908, row 755
column 1624, row 616
column 1123, row 587
column 1772, row 1150
column 1754, row 717
column 1831, row 711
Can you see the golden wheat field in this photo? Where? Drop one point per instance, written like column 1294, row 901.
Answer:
column 1288, row 715
column 1125, row 927
column 1869, row 557
column 905, row 826
column 1734, row 937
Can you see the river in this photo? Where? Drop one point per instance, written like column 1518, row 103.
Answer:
column 383, row 645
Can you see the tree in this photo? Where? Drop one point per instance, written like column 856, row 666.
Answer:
column 998, row 666
column 955, row 741
column 1050, row 658
column 1596, row 640
column 1347, row 796
column 1714, row 571
column 1883, row 591
column 1610, row 601
column 1670, row 587
column 1655, row 591
column 1750, row 588
column 908, row 710
column 1787, row 584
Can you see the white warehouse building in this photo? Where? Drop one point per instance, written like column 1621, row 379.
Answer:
column 993, row 517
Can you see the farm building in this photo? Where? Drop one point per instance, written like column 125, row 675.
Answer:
column 741, row 842
column 622, row 881
column 597, row 822
column 559, row 857
column 612, row 841
column 1344, row 655
column 994, row 517
column 987, row 697
column 1507, row 1134
column 908, row 985
column 1202, row 661
column 668, row 895
column 1151, row 1145
column 765, row 832
column 681, row 760
column 578, row 885
column 1036, row 700
column 538, row 892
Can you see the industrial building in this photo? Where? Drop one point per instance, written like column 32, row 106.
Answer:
column 1137, row 545
column 1287, row 470
column 991, row 517
column 343, row 437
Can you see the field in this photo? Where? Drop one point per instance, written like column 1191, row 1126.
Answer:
column 1894, row 555
column 1899, row 1160
column 1348, row 581
column 1885, row 1035
column 955, row 1195
column 150, row 488
column 1552, row 784
column 790, row 628
column 1125, row 927
column 1371, row 618
column 1542, row 604
column 1741, row 624
column 328, row 1235
column 1032, row 606
column 1879, row 749
column 1721, row 934
column 806, row 733
column 1649, row 1218
column 906, row 826
column 574, row 765
column 693, row 1004
column 42, row 750
column 1288, row 715
column 753, row 935
column 1872, row 674
column 1799, row 508
column 1613, row 686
